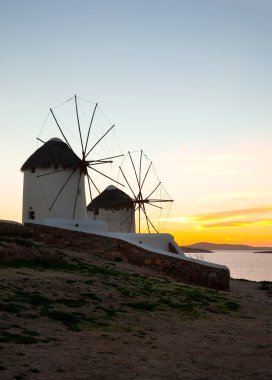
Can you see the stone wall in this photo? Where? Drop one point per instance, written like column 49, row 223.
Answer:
column 188, row 271
column 11, row 228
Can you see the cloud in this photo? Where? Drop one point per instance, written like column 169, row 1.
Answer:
column 177, row 219
column 221, row 215
column 243, row 223
column 221, row 218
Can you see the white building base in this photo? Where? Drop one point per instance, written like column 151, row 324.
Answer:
column 81, row 225
column 154, row 242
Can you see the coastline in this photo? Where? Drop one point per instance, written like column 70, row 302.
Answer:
column 249, row 265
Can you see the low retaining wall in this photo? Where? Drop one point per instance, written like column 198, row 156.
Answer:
column 11, row 228
column 179, row 269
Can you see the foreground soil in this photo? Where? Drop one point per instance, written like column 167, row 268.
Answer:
column 84, row 317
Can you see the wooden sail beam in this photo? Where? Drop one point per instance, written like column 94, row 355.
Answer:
column 151, row 204
column 127, row 181
column 99, row 140
column 108, row 158
column 93, row 183
column 104, row 175
column 146, row 175
column 78, row 124
column 63, row 135
column 87, row 139
column 76, row 195
column 37, row 138
column 153, row 191
column 159, row 200
column 63, row 186
column 140, row 170
column 132, row 162
column 90, row 190
column 147, row 222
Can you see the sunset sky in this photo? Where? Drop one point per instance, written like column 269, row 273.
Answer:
column 187, row 81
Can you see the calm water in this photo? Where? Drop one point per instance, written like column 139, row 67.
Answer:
column 242, row 264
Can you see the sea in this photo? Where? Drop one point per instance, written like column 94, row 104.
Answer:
column 243, row 264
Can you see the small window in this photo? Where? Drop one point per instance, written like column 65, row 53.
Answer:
column 32, row 170
column 31, row 214
column 96, row 211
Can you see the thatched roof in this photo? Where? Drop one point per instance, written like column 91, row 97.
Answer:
column 53, row 153
column 111, row 199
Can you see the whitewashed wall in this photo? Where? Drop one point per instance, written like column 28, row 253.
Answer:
column 156, row 241
column 117, row 220
column 40, row 192
column 80, row 225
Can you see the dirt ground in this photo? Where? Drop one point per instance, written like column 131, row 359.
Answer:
column 142, row 345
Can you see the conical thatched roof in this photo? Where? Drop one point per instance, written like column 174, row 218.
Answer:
column 111, row 199
column 53, row 153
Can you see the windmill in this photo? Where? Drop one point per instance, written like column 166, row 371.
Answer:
column 148, row 195
column 54, row 175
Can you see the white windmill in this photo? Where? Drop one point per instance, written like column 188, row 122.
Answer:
column 144, row 209
column 54, row 175
column 114, row 207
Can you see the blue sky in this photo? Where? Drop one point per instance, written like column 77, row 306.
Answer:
column 180, row 79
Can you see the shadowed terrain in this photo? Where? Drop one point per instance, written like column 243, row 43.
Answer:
column 69, row 315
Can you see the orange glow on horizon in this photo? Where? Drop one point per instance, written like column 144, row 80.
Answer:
column 255, row 236
column 242, row 226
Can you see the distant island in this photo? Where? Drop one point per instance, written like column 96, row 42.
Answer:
column 210, row 247
column 190, row 249
column 262, row 251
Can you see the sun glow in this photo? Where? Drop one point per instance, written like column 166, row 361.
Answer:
column 241, row 226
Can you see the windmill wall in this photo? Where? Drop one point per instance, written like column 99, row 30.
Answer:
column 174, row 266
column 122, row 220
column 39, row 194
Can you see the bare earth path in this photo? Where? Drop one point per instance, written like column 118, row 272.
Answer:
column 146, row 344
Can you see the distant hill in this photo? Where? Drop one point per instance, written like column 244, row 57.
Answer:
column 216, row 247
column 190, row 249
